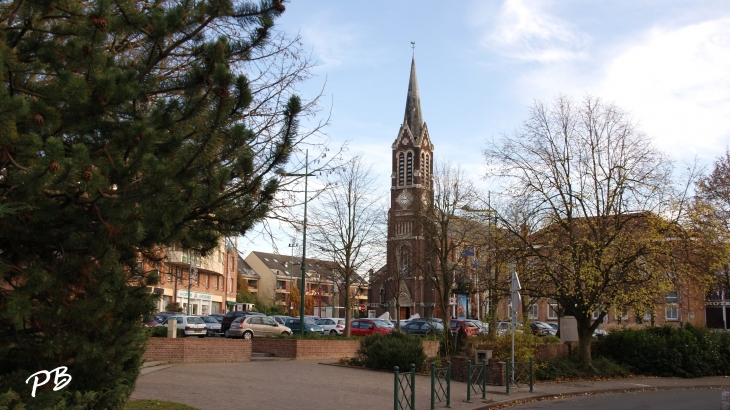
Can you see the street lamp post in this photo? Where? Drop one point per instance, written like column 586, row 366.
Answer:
column 192, row 272
column 306, row 174
column 291, row 270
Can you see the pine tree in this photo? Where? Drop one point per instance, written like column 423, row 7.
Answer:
column 125, row 126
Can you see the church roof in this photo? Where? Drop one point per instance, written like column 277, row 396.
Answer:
column 413, row 117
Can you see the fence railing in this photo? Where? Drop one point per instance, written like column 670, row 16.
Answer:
column 405, row 389
column 476, row 379
column 440, row 385
column 519, row 374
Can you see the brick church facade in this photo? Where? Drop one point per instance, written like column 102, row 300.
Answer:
column 401, row 279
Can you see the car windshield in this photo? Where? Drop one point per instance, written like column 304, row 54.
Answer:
column 310, row 322
column 381, row 324
column 469, row 324
column 209, row 319
column 437, row 325
column 195, row 321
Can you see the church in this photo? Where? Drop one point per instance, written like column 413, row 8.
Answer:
column 401, row 283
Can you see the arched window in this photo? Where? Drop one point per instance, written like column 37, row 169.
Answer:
column 423, row 169
column 427, row 174
column 405, row 261
column 400, row 169
column 409, row 169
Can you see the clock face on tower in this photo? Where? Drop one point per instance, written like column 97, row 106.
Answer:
column 404, row 199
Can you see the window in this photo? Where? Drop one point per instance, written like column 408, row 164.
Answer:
column 670, row 306
column 355, row 325
column 401, row 157
column 207, row 281
column 169, row 274
column 532, row 311
column 623, row 314
column 230, row 284
column 423, row 168
column 409, row 169
column 552, row 309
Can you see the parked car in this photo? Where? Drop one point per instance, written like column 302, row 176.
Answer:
column 150, row 321
column 229, row 317
column 470, row 328
column 599, row 333
column 191, row 325
column 423, row 328
column 162, row 316
column 212, row 325
column 256, row 326
column 217, row 316
column 427, row 319
column 309, row 326
column 332, row 325
column 364, row 327
column 538, row 329
column 280, row 319
column 551, row 331
column 483, row 327
column 505, row 327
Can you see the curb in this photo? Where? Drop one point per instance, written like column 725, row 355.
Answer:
column 543, row 397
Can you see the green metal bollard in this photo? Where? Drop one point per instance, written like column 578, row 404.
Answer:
column 413, row 386
column 448, row 384
column 395, row 398
column 433, row 384
column 530, row 374
column 468, row 381
column 484, row 379
column 507, row 379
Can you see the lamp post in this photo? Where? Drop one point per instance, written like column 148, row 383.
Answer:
column 192, row 272
column 306, row 174
column 292, row 245
column 333, row 293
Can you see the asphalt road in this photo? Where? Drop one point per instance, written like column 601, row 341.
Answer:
column 695, row 399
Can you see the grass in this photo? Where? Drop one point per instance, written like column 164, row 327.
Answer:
column 155, row 404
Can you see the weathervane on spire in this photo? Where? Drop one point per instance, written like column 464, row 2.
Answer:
column 413, row 46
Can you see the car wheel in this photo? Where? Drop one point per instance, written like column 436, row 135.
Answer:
column 227, row 334
column 285, row 333
column 333, row 332
column 247, row 335
column 201, row 337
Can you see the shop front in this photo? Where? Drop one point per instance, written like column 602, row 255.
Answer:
column 200, row 303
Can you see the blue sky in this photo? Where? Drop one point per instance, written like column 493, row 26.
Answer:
column 482, row 63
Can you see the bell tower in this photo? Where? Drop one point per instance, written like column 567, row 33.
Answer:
column 411, row 189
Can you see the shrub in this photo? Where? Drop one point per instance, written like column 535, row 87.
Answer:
column 564, row 368
column 173, row 307
column 380, row 351
column 161, row 331
column 501, row 345
column 670, row 351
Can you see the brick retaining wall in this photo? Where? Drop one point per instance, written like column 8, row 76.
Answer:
column 320, row 349
column 495, row 370
column 208, row 350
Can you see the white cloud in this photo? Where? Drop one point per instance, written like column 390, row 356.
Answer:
column 676, row 82
column 527, row 31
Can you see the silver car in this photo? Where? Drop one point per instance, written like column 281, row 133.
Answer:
column 190, row 325
column 332, row 325
column 256, row 326
column 212, row 325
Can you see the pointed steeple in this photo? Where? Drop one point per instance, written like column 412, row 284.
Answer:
column 413, row 116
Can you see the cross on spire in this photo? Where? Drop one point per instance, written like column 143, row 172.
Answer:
column 413, row 46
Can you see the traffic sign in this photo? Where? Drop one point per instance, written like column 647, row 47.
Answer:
column 362, row 308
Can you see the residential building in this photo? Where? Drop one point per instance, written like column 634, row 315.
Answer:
column 278, row 274
column 208, row 283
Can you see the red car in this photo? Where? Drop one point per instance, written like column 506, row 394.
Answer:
column 364, row 327
column 470, row 328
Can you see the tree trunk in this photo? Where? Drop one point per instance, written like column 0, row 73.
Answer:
column 585, row 336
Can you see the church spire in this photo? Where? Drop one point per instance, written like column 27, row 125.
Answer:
column 413, row 116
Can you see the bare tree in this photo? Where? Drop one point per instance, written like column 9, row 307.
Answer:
column 447, row 233
column 348, row 225
column 710, row 218
column 603, row 200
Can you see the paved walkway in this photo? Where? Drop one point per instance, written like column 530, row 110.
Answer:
column 307, row 384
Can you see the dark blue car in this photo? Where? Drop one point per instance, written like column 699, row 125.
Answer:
column 312, row 327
